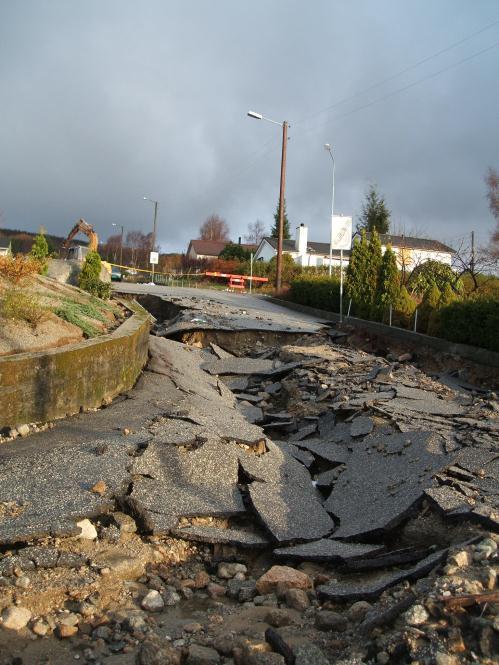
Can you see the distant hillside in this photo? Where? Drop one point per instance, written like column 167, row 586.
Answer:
column 23, row 240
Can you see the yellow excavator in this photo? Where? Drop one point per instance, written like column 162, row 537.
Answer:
column 79, row 253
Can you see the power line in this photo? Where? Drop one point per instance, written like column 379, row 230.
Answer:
column 404, row 88
column 397, row 74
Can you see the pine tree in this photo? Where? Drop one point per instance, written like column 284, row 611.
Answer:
column 40, row 248
column 274, row 233
column 357, row 274
column 40, row 251
column 405, row 306
column 375, row 214
column 388, row 282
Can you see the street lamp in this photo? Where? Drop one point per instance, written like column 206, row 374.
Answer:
column 284, row 125
column 153, row 243
column 329, row 149
column 121, row 242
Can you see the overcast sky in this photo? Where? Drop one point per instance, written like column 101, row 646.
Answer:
column 106, row 101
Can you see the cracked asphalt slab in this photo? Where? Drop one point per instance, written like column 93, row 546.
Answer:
column 59, row 492
column 385, row 477
column 194, row 454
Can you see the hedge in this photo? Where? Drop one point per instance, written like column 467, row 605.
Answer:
column 474, row 322
column 317, row 291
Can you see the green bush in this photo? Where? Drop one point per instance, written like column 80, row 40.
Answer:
column 89, row 279
column 317, row 291
column 474, row 322
column 234, row 251
column 433, row 273
column 404, row 308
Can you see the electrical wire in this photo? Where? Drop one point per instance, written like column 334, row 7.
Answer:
column 399, row 73
column 402, row 89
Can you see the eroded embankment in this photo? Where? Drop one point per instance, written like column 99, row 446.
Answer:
column 360, row 478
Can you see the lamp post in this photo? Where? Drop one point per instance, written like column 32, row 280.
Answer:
column 153, row 243
column 121, row 242
column 282, row 187
column 329, row 149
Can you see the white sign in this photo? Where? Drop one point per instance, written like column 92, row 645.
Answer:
column 154, row 258
column 341, row 235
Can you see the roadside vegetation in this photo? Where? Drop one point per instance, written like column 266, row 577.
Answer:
column 37, row 312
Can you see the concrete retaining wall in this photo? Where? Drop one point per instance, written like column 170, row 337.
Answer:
column 38, row 387
column 412, row 339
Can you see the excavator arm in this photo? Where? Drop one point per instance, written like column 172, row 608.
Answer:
column 82, row 226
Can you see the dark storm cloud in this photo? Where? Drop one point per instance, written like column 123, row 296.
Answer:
column 104, row 102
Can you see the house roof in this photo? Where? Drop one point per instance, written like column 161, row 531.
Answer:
column 413, row 243
column 5, row 242
column 213, row 247
column 319, row 248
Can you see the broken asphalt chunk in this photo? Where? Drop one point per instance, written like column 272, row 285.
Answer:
column 216, row 535
column 361, row 426
column 327, row 550
column 385, row 478
column 248, row 366
column 176, row 484
column 369, row 586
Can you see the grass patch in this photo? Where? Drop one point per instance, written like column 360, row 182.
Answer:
column 19, row 305
column 73, row 312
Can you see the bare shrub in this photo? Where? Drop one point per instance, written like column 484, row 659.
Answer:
column 18, row 268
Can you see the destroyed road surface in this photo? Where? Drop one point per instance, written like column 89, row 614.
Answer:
column 266, row 494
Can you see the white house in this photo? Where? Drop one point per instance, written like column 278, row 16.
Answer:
column 412, row 252
column 5, row 247
column 304, row 252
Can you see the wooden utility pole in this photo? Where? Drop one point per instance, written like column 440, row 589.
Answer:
column 472, row 253
column 278, row 278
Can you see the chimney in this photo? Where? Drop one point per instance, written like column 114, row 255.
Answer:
column 301, row 239
column 239, row 240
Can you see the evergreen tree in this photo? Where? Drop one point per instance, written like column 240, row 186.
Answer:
column 375, row 214
column 274, row 233
column 357, row 276
column 405, row 307
column 448, row 296
column 388, row 282
column 89, row 277
column 40, row 250
column 429, row 306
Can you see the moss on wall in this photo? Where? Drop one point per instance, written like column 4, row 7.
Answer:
column 37, row 387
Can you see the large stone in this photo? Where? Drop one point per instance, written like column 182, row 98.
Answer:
column 200, row 655
column 297, row 599
column 310, row 654
column 327, row 620
column 153, row 601
column 284, row 577
column 87, row 530
column 15, row 618
column 154, row 651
